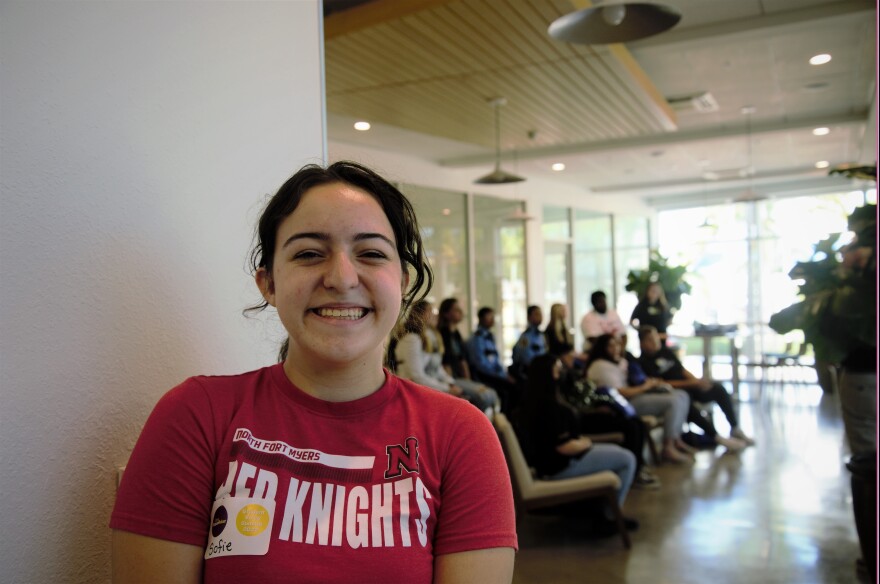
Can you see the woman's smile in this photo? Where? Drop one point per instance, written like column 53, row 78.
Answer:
column 341, row 313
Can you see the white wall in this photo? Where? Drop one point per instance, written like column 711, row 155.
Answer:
column 138, row 142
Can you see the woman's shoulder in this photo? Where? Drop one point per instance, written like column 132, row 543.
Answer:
column 199, row 390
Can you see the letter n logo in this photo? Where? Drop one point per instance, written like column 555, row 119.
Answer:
column 398, row 457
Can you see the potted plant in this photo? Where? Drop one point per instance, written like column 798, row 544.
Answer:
column 670, row 278
column 838, row 311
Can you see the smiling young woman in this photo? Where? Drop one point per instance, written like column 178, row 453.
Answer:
column 324, row 467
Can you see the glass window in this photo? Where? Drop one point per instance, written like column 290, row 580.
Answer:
column 500, row 262
column 593, row 268
column 442, row 220
column 739, row 257
column 556, row 228
column 631, row 252
column 555, row 224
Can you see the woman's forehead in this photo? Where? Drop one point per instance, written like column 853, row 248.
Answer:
column 338, row 209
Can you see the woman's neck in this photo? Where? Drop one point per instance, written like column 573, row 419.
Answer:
column 335, row 382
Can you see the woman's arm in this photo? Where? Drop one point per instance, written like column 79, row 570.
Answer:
column 489, row 566
column 636, row 316
column 631, row 391
column 575, row 446
column 139, row 559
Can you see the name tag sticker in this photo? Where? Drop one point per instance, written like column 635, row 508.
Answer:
column 240, row 526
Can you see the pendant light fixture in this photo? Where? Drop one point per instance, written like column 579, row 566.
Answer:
column 614, row 22
column 498, row 176
column 749, row 194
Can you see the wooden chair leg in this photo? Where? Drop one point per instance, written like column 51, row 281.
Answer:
column 652, row 446
column 611, row 498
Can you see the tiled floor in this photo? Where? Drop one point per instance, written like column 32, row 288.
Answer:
column 780, row 512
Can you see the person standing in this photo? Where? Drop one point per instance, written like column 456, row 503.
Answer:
column 601, row 321
column 652, row 310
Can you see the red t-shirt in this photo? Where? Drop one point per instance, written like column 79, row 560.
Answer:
column 362, row 491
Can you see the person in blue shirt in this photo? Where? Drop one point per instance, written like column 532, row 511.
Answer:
column 485, row 361
column 531, row 342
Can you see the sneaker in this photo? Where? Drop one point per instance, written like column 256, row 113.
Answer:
column 740, row 435
column 646, row 480
column 684, row 446
column 676, row 456
column 731, row 444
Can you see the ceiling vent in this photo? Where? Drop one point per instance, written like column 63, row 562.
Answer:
column 703, row 103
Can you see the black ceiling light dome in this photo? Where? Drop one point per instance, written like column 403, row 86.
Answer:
column 614, row 22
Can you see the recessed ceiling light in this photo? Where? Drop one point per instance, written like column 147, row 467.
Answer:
column 557, row 166
column 447, row 212
column 823, row 164
column 820, row 59
column 362, row 126
column 821, row 131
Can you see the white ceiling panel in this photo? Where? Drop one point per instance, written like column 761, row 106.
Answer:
column 422, row 74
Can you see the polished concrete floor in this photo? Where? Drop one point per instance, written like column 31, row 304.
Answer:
column 779, row 512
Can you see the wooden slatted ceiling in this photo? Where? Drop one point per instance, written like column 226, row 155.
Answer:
column 433, row 68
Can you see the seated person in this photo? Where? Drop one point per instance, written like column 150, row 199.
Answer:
column 419, row 355
column 531, row 343
column 454, row 350
column 601, row 321
column 560, row 341
column 607, row 367
column 557, row 448
column 658, row 361
column 485, row 361
column 602, row 419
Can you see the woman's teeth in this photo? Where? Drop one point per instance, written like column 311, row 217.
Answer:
column 344, row 313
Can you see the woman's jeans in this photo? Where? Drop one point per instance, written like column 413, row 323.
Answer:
column 603, row 457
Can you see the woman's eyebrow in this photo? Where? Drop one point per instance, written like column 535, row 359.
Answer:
column 364, row 236
column 306, row 235
column 326, row 237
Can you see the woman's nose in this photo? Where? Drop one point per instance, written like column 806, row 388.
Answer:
column 341, row 272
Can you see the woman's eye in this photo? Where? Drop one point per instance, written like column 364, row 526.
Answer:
column 305, row 255
column 374, row 254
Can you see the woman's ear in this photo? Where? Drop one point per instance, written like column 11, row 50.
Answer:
column 266, row 285
column 404, row 284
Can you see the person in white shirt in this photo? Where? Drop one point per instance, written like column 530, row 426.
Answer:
column 601, row 321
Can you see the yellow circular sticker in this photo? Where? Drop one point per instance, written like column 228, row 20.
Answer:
column 253, row 519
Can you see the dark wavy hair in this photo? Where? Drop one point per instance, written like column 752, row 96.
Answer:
column 396, row 206
column 443, row 321
column 599, row 350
